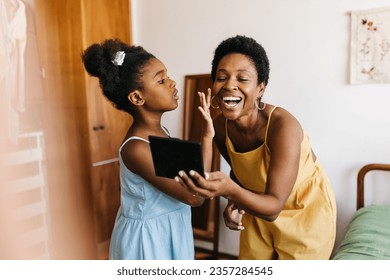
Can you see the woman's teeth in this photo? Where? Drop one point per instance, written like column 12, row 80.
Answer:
column 231, row 101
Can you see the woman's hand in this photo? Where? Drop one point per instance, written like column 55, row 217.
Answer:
column 213, row 184
column 204, row 108
column 232, row 216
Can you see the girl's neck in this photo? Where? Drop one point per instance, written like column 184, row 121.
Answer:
column 144, row 128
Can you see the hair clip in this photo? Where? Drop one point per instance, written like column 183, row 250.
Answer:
column 119, row 58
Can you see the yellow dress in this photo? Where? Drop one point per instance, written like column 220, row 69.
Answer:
column 306, row 227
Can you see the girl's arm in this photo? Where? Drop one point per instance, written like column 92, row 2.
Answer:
column 137, row 157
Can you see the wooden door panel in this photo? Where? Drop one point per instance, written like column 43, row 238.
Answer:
column 106, row 197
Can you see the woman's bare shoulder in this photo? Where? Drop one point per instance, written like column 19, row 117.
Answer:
column 282, row 116
column 284, row 124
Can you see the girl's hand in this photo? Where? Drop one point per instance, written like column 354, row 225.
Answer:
column 204, row 108
column 232, row 216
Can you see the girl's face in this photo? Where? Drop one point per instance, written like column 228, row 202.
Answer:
column 159, row 93
column 236, row 85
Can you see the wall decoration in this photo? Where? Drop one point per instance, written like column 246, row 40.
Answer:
column 370, row 46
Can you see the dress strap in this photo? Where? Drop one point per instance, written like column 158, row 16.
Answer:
column 268, row 122
column 140, row 138
column 132, row 138
column 166, row 130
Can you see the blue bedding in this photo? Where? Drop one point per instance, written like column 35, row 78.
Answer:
column 368, row 235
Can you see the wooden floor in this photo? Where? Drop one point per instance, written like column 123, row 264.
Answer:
column 203, row 254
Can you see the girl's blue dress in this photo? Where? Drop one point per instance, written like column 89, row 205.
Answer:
column 150, row 225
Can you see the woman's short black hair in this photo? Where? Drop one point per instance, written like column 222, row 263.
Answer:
column 116, row 81
column 246, row 46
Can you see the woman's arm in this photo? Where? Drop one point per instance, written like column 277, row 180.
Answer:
column 284, row 141
column 232, row 214
column 208, row 129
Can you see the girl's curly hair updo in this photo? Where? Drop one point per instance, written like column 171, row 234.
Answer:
column 117, row 80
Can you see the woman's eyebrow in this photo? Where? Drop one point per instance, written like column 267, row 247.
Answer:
column 238, row 70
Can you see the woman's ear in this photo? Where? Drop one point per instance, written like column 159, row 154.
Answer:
column 135, row 97
column 261, row 89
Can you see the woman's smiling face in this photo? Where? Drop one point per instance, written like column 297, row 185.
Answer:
column 236, row 86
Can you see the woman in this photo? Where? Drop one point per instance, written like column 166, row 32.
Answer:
column 276, row 180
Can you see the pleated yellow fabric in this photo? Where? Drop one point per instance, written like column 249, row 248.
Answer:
column 306, row 227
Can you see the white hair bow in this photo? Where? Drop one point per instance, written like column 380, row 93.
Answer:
column 119, row 58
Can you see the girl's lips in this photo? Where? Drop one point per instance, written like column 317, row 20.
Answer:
column 175, row 95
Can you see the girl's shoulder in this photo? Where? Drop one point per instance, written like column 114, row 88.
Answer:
column 133, row 149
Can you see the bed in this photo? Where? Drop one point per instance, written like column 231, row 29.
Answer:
column 368, row 233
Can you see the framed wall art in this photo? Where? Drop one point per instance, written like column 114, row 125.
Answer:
column 370, row 46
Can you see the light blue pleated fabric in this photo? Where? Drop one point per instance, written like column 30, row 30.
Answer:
column 150, row 225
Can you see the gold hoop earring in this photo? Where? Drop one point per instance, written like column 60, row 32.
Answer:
column 211, row 103
column 257, row 104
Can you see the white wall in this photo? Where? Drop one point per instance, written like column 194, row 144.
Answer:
column 308, row 46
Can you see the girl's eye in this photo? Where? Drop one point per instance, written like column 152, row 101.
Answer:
column 163, row 80
column 221, row 79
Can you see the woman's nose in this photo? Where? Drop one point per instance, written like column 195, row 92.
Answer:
column 230, row 85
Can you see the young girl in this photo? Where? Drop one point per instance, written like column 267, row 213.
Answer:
column 154, row 219
column 290, row 209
